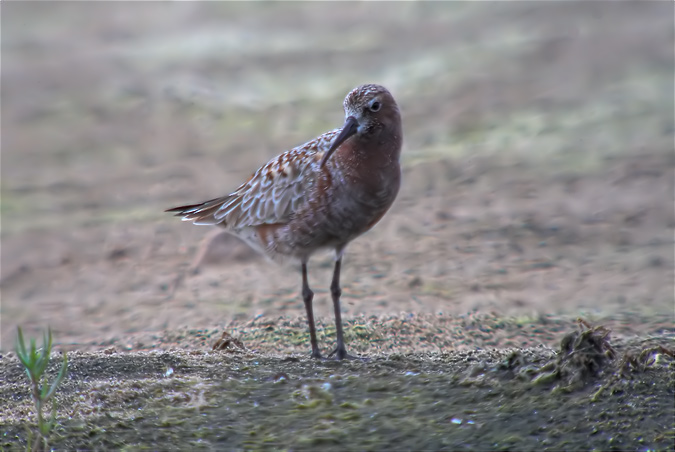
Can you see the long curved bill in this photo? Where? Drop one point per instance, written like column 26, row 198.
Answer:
column 349, row 129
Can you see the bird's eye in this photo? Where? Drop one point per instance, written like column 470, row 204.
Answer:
column 375, row 106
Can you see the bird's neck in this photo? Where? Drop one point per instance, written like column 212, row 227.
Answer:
column 371, row 151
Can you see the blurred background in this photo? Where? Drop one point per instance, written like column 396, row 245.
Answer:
column 538, row 159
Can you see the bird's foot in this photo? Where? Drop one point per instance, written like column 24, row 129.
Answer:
column 341, row 353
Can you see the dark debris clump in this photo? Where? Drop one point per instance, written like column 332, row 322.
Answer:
column 586, row 355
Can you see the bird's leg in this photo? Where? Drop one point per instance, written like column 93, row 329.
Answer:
column 307, row 296
column 340, row 351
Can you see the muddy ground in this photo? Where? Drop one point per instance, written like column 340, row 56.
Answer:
column 538, row 187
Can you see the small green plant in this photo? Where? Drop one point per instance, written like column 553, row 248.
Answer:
column 35, row 363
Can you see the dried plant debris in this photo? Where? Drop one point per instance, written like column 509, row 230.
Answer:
column 228, row 343
column 585, row 356
column 635, row 363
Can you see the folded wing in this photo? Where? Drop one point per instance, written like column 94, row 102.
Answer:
column 270, row 196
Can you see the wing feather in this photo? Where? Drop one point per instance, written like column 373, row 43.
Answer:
column 270, row 196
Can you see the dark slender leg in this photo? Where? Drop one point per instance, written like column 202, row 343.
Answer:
column 340, row 351
column 307, row 296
